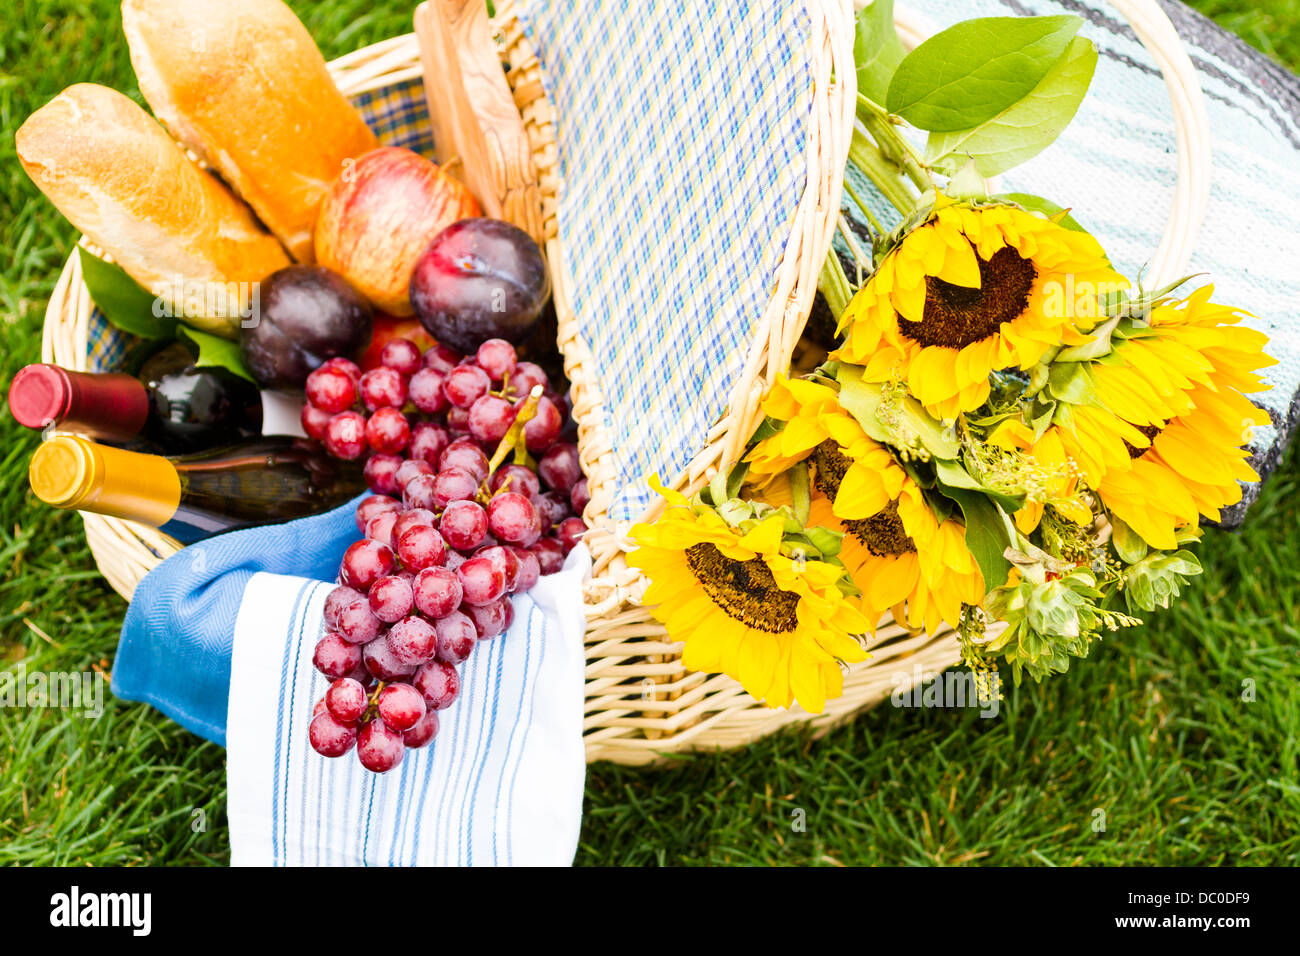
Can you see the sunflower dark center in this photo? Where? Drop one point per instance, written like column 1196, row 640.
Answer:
column 830, row 465
column 744, row 590
column 1151, row 431
column 956, row 316
column 883, row 533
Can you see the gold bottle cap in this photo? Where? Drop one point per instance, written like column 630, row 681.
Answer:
column 62, row 471
column 68, row 471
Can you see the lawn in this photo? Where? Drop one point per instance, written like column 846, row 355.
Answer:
column 1173, row 745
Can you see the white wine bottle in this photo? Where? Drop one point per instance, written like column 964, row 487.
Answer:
column 194, row 496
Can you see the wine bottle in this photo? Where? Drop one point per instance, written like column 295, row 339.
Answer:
column 198, row 495
column 174, row 407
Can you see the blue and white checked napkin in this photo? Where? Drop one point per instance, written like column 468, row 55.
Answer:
column 682, row 133
column 220, row 638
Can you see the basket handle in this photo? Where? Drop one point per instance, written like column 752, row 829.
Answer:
column 1191, row 128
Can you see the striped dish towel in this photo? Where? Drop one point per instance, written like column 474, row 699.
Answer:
column 500, row 785
column 220, row 638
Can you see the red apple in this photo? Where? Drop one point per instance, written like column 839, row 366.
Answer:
column 380, row 215
column 388, row 328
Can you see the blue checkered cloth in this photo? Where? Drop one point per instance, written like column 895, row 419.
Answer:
column 682, row 133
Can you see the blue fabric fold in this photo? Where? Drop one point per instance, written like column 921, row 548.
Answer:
column 175, row 648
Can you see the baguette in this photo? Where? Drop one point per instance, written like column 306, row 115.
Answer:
column 119, row 178
column 242, row 84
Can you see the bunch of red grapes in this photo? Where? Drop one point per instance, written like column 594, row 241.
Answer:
column 450, row 532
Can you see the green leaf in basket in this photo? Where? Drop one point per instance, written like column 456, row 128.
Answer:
column 127, row 305
column 1058, row 214
column 953, row 475
column 877, row 51
column 1024, row 129
column 975, row 70
column 986, row 534
column 1127, row 543
column 1100, row 345
column 215, row 351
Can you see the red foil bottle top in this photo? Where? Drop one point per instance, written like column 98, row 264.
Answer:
column 39, row 395
column 109, row 406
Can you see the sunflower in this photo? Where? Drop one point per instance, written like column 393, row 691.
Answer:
column 1052, row 475
column 815, row 423
column 779, row 624
column 1164, row 446
column 971, row 291
column 1193, row 467
column 900, row 553
column 897, row 552
column 810, row 412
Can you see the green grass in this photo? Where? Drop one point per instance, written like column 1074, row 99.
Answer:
column 1153, row 730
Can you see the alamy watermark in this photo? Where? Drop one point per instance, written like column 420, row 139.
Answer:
column 952, row 688
column 1084, row 299
column 62, row 690
column 75, row 908
column 181, row 298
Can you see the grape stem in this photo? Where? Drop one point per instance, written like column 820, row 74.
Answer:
column 513, row 440
column 372, row 703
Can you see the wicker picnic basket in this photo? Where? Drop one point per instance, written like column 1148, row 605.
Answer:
column 641, row 703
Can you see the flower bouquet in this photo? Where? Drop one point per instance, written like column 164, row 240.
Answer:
column 996, row 431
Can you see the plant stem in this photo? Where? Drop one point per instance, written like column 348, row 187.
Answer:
column 863, row 262
column 834, row 285
column 892, row 143
column 866, row 210
column 884, row 174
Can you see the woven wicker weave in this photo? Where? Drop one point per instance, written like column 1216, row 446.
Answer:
column 640, row 702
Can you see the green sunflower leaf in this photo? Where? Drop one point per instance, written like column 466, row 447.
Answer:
column 1128, row 545
column 825, row 540
column 1024, row 129
column 769, row 427
column 877, row 51
column 905, row 423
column 985, row 535
column 977, row 69
column 1100, row 345
column 126, row 303
column 861, row 400
column 952, row 475
column 968, row 184
column 1072, row 383
column 1043, row 420
column 737, row 478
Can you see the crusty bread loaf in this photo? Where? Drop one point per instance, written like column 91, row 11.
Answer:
column 242, row 83
column 119, row 178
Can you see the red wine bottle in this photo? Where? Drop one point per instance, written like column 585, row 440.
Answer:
column 174, row 407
